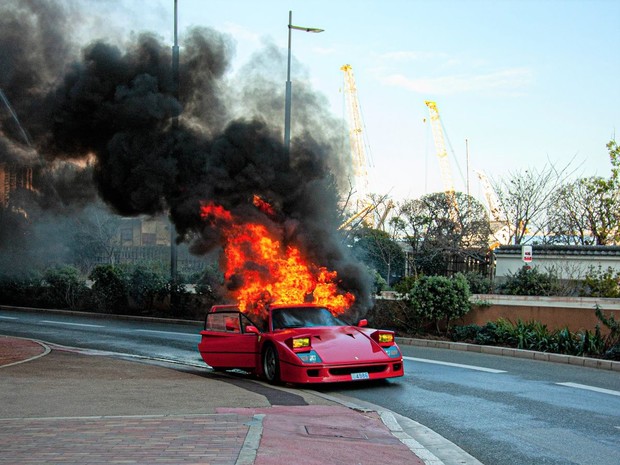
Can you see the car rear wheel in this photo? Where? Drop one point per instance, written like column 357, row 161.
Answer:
column 271, row 365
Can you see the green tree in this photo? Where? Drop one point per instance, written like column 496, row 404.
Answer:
column 380, row 252
column 585, row 212
column 524, row 198
column 441, row 234
column 96, row 235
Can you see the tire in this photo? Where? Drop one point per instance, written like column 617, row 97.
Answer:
column 271, row 365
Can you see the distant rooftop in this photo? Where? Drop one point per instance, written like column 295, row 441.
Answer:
column 560, row 250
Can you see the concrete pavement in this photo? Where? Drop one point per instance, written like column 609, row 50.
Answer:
column 65, row 406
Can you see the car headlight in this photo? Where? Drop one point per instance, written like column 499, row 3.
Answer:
column 309, row 357
column 392, row 351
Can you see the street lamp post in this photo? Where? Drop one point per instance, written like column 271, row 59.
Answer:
column 287, row 99
column 175, row 125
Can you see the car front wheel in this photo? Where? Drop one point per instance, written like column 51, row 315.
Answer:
column 271, row 365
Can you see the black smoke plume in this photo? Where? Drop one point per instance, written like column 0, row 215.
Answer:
column 111, row 108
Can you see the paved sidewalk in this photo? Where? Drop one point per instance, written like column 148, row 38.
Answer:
column 59, row 406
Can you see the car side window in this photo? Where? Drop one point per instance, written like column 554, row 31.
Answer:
column 225, row 322
column 245, row 322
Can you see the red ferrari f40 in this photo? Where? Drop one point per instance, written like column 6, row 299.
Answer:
column 298, row 344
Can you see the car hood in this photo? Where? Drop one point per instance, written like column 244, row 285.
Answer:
column 343, row 344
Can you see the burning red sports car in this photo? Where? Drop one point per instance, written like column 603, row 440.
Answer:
column 298, row 344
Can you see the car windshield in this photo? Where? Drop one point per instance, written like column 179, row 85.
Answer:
column 303, row 317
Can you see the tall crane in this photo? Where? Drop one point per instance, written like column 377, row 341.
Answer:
column 442, row 155
column 499, row 225
column 358, row 152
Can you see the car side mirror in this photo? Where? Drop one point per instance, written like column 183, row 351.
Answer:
column 252, row 329
column 232, row 327
column 363, row 323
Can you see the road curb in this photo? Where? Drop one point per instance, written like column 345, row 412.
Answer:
column 25, row 353
column 587, row 362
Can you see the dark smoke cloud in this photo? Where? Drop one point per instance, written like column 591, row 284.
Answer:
column 113, row 109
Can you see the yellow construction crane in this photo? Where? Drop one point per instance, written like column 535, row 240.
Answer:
column 442, row 155
column 358, row 152
column 499, row 225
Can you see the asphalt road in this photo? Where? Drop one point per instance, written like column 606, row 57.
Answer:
column 525, row 412
column 501, row 410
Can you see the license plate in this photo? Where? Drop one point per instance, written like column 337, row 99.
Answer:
column 363, row 375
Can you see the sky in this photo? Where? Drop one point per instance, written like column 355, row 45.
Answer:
column 518, row 84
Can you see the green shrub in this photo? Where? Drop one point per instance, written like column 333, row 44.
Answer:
column 533, row 335
column 391, row 314
column 438, row 298
column 145, row 286
column 589, row 343
column 565, row 342
column 110, row 285
column 530, row 281
column 478, row 283
column 405, row 285
column 465, row 333
column 66, row 288
column 22, row 289
column 613, row 353
column 613, row 338
column 599, row 283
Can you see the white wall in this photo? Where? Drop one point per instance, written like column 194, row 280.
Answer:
column 569, row 264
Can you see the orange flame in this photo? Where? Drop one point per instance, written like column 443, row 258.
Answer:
column 268, row 272
column 263, row 206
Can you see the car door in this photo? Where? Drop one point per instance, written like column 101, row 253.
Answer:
column 226, row 342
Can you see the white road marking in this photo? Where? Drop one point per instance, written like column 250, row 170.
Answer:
column 590, row 388
column 8, row 318
column 71, row 324
column 458, row 365
column 165, row 332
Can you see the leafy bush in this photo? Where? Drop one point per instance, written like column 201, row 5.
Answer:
column 392, row 314
column 565, row 342
column 66, row 288
column 613, row 338
column 599, row 283
column 467, row 333
column 23, row 289
column 478, row 283
column 439, row 298
column 533, row 335
column 613, row 353
column 109, row 288
column 405, row 285
column 499, row 332
column 145, row 286
column 530, row 281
